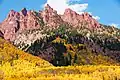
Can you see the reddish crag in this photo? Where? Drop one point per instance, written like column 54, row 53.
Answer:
column 26, row 20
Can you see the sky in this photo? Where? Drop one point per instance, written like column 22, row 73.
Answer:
column 105, row 11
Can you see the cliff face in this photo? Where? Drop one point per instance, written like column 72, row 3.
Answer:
column 78, row 20
column 18, row 21
column 29, row 20
column 50, row 17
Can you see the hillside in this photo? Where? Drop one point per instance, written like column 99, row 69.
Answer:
column 9, row 53
column 86, row 48
column 18, row 65
column 12, row 60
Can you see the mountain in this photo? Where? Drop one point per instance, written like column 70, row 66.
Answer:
column 18, row 21
column 79, row 38
column 27, row 20
column 75, row 19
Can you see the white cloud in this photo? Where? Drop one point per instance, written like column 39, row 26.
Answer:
column 61, row 5
column 90, row 13
column 78, row 7
column 96, row 17
column 115, row 25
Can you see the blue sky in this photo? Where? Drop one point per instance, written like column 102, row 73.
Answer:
column 107, row 10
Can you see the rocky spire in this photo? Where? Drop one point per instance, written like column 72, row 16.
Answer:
column 24, row 11
column 18, row 21
column 76, row 19
column 47, row 7
column 50, row 16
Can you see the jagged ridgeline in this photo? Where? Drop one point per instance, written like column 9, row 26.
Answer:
column 70, row 46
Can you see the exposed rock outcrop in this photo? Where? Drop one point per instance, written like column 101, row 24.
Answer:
column 50, row 17
column 1, row 34
column 78, row 20
column 29, row 20
column 18, row 21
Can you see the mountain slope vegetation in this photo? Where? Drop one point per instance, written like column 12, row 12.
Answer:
column 66, row 46
column 18, row 65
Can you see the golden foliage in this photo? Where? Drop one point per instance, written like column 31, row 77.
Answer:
column 59, row 40
column 9, row 53
column 12, row 59
column 62, row 73
column 17, row 65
